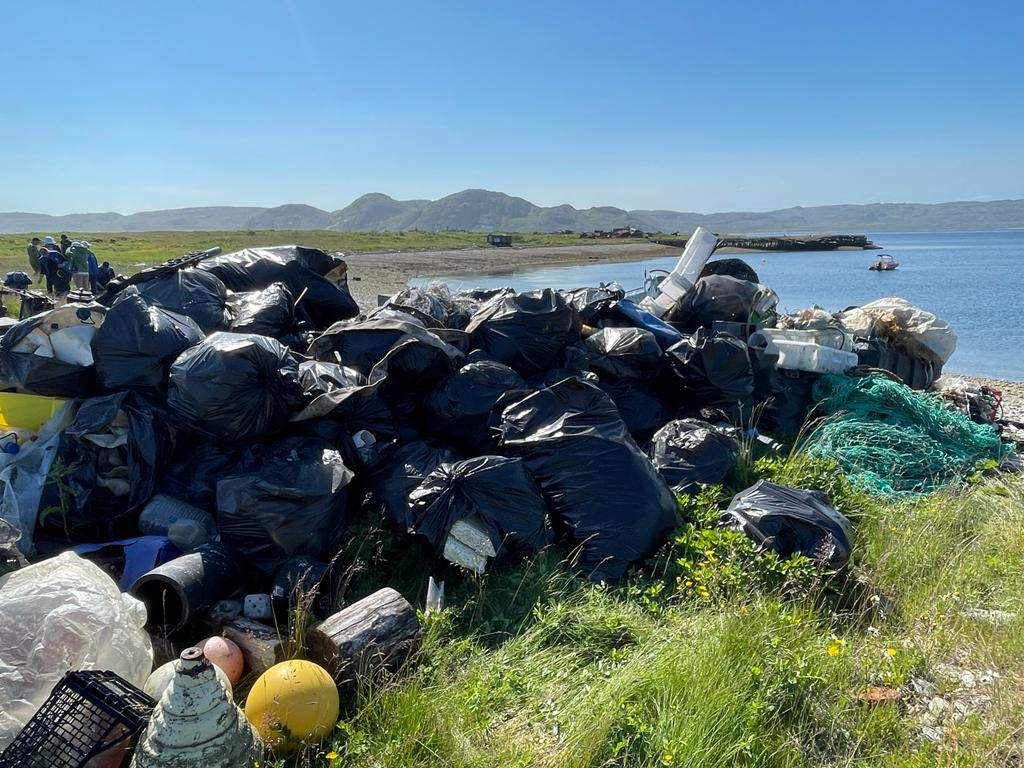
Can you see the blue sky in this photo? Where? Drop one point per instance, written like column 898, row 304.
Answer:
column 705, row 106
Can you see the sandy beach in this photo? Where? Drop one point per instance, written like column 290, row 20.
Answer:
column 385, row 272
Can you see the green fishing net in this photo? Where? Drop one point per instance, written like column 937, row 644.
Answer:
column 894, row 442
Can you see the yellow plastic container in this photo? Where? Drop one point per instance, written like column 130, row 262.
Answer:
column 27, row 411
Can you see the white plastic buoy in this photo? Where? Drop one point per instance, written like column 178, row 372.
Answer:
column 196, row 725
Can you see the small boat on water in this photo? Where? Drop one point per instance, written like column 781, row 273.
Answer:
column 885, row 263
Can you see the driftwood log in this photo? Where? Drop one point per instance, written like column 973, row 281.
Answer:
column 375, row 634
column 262, row 646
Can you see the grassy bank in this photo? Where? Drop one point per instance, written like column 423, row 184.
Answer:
column 714, row 655
column 130, row 251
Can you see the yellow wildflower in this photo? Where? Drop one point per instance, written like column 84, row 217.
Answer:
column 891, row 652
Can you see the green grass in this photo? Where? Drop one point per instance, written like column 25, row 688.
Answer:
column 130, row 251
column 715, row 655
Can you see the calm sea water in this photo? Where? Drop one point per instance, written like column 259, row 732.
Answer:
column 973, row 280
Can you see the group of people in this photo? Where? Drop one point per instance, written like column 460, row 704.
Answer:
column 70, row 262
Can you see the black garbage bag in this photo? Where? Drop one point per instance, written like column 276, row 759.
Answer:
column 193, row 293
column 284, row 499
column 362, row 344
column 269, row 312
column 710, row 370
column 105, row 469
column 588, row 302
column 605, row 496
column 639, row 406
column 462, row 407
column 319, row 378
column 137, row 343
column 691, row 452
column 410, row 370
column 787, row 396
column 192, row 472
column 623, row 353
column 235, row 387
column 317, row 280
column 346, row 411
column 737, row 268
column 724, row 298
column 397, row 475
column 625, row 313
column 527, row 331
column 791, row 521
column 495, row 494
column 45, row 374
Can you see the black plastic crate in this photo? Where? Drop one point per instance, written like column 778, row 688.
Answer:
column 86, row 714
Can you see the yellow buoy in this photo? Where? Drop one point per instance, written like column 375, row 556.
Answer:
column 292, row 702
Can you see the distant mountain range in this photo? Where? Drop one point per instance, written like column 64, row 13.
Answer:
column 483, row 211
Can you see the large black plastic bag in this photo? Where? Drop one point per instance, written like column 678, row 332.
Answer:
column 397, row 475
column 410, row 370
column 284, row 499
column 640, row 407
column 21, row 367
column 362, row 344
column 235, row 387
column 787, row 395
column 137, row 343
column 346, row 411
column 497, row 494
column 461, row 408
column 192, row 472
column 626, row 313
column 791, row 521
column 316, row 279
column 268, row 312
column 106, row 469
column 193, row 293
column 711, row 370
column 721, row 297
column 623, row 353
column 605, row 496
column 527, row 331
column 689, row 452
column 318, row 378
column 590, row 301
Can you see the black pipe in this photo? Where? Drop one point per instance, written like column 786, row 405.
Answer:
column 176, row 591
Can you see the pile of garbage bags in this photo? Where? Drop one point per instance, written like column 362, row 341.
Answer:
column 227, row 421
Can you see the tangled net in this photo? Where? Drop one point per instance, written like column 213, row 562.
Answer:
column 894, row 442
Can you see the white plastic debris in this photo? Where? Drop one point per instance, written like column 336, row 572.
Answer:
column 469, row 546
column 59, row 615
column 921, row 332
column 686, row 272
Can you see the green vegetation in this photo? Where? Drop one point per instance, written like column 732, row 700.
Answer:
column 130, row 251
column 716, row 655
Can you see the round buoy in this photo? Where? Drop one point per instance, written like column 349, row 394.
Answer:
column 292, row 702
column 224, row 654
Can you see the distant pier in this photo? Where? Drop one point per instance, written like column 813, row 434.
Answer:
column 783, row 243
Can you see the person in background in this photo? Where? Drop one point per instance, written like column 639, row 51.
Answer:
column 33, row 257
column 94, row 267
column 105, row 274
column 78, row 255
column 65, row 243
column 47, row 263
